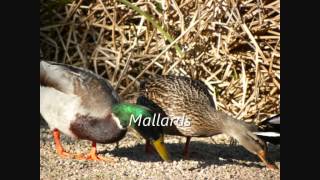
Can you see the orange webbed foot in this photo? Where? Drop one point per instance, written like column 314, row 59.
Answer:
column 93, row 155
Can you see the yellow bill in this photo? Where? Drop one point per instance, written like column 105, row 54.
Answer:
column 161, row 148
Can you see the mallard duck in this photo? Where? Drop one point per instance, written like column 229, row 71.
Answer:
column 183, row 99
column 269, row 130
column 82, row 105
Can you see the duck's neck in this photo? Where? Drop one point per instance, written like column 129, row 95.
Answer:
column 230, row 125
column 128, row 114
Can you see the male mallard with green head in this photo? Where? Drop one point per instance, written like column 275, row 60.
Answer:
column 83, row 105
column 176, row 97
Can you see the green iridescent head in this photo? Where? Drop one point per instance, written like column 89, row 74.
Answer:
column 133, row 115
column 127, row 112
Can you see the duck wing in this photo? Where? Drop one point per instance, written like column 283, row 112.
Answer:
column 180, row 86
column 179, row 98
column 95, row 93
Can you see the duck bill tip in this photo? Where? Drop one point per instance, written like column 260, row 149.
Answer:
column 161, row 149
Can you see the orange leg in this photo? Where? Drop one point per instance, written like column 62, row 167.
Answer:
column 59, row 148
column 93, row 154
column 262, row 156
column 186, row 148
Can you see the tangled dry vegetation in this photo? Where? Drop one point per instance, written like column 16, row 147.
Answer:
column 233, row 46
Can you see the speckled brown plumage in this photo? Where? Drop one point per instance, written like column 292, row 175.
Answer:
column 175, row 96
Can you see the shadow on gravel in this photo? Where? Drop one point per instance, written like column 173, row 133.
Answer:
column 206, row 154
column 43, row 123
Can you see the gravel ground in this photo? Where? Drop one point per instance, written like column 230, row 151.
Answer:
column 210, row 158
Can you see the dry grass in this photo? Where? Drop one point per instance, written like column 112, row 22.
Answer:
column 233, row 46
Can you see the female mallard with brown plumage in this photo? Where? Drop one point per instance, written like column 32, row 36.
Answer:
column 83, row 105
column 179, row 97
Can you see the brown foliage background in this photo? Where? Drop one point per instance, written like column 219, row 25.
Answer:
column 232, row 46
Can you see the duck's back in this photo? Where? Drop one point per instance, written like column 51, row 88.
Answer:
column 78, row 81
column 179, row 97
column 67, row 92
column 181, row 88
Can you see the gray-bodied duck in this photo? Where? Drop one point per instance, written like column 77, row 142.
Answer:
column 185, row 100
column 82, row 105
